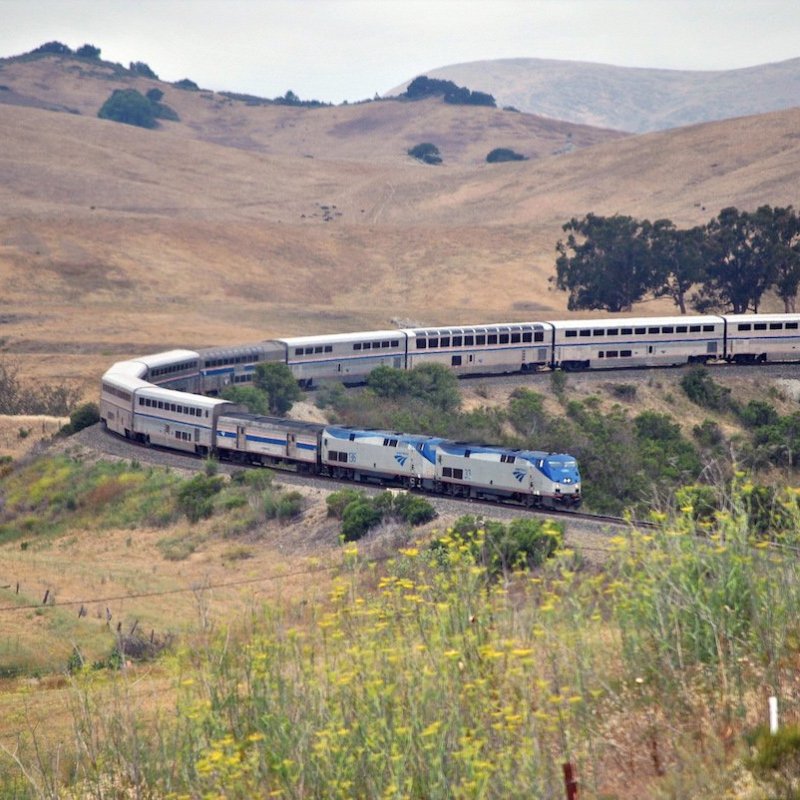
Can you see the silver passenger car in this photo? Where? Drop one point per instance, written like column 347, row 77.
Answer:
column 481, row 349
column 762, row 337
column 268, row 440
column 344, row 357
column 637, row 341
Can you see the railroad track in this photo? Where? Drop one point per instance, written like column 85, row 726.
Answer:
column 575, row 522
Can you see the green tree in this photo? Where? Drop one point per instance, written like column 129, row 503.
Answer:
column 256, row 400
column 140, row 68
column 88, row 51
column 129, row 107
column 426, row 152
column 504, row 154
column 782, row 228
column 740, row 262
column 677, row 260
column 604, row 262
column 279, row 384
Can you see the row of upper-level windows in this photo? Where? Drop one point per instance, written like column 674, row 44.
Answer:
column 171, row 369
column 656, row 329
column 475, row 340
column 385, row 344
column 176, row 408
column 307, row 351
column 251, row 358
column 762, row 326
column 117, row 392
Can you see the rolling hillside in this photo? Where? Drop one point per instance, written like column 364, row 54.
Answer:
column 626, row 98
column 258, row 221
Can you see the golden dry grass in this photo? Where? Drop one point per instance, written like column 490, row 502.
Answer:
column 220, row 229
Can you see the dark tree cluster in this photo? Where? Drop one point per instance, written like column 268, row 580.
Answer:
column 423, row 87
column 500, row 154
column 133, row 108
column 426, row 152
column 59, row 49
column 727, row 264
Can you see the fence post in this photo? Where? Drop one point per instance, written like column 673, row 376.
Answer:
column 570, row 781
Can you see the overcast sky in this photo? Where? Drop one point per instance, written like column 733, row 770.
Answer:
column 335, row 50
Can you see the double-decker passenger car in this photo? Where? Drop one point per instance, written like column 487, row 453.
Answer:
column 636, row 342
column 178, row 420
column 481, row 349
column 343, row 357
column 762, row 338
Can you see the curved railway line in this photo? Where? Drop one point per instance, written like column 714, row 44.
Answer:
column 588, row 531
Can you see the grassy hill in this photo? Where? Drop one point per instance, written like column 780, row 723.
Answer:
column 627, row 98
column 244, row 222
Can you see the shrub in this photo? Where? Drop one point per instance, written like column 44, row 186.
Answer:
column 708, row 433
column 338, row 501
column 130, row 108
column 776, row 759
column 523, row 544
column 500, row 154
column 53, row 47
column 358, row 518
column 196, row 495
column 255, row 400
column 82, row 417
column 413, row 509
column 758, row 413
column 702, row 390
column 140, row 68
column 623, row 391
column 187, row 85
column 88, row 51
column 283, row 506
column 426, row 152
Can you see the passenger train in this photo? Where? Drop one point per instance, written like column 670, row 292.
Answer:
column 171, row 399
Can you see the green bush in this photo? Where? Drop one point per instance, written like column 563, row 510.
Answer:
column 524, row 543
column 129, row 107
column 358, row 518
column 196, row 496
column 338, row 501
column 283, row 506
column 702, row 390
column 280, row 385
column 776, row 760
column 500, row 154
column 413, row 509
column 425, row 152
column 81, row 417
